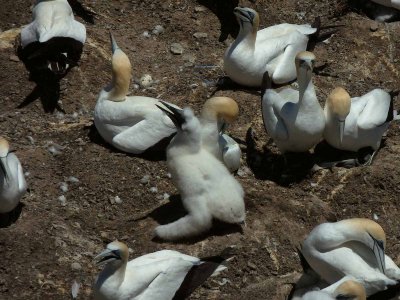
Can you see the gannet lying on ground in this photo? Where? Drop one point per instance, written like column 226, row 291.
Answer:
column 356, row 123
column 353, row 247
column 271, row 49
column 207, row 188
column 131, row 124
column 348, row 289
column 218, row 111
column 12, row 180
column 294, row 119
column 53, row 40
column 161, row 275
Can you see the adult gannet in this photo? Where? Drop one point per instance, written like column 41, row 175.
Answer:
column 54, row 39
column 353, row 247
column 356, row 123
column 271, row 49
column 216, row 112
column 130, row 123
column 388, row 3
column 161, row 275
column 207, row 188
column 12, row 180
column 294, row 119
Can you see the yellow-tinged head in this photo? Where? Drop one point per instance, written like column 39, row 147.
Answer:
column 305, row 59
column 220, row 107
column 4, row 147
column 245, row 16
column 114, row 252
column 351, row 289
column 339, row 102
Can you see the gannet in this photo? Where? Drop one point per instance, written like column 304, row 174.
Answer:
column 161, row 275
column 343, row 289
column 388, row 3
column 129, row 123
column 356, row 123
column 294, row 119
column 12, row 180
column 216, row 113
column 207, row 188
column 271, row 49
column 352, row 247
column 54, row 39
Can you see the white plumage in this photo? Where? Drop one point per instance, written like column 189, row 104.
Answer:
column 389, row 3
column 271, row 49
column 207, row 188
column 294, row 119
column 12, row 180
column 129, row 123
column 154, row 276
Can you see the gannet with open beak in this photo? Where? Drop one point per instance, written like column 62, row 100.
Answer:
column 352, row 247
column 294, row 119
column 12, row 180
column 355, row 123
column 216, row 113
column 271, row 49
column 161, row 275
column 54, row 39
column 207, row 188
column 130, row 123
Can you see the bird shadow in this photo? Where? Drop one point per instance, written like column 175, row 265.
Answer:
column 81, row 11
column 11, row 217
column 174, row 210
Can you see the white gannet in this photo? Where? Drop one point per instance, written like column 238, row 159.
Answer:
column 12, row 180
column 388, row 3
column 352, row 247
column 343, row 289
column 294, row 119
column 129, row 123
column 356, row 123
column 207, row 188
column 161, row 275
column 216, row 113
column 271, row 49
column 54, row 39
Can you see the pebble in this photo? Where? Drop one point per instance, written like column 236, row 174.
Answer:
column 374, row 27
column 118, row 200
column 146, row 34
column 63, row 200
column 153, row 189
column 76, row 266
column 199, row 8
column 64, row 187
column 375, row 216
column 30, row 139
column 176, row 48
column 73, row 179
column 14, row 58
column 158, row 30
column 200, row 35
column 145, row 179
column 145, row 81
column 166, row 196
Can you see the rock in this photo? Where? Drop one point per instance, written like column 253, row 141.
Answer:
column 64, row 187
column 199, row 8
column 73, row 179
column 118, row 200
column 374, row 27
column 63, row 200
column 145, row 81
column 7, row 38
column 176, row 48
column 13, row 57
column 76, row 266
column 146, row 34
column 158, row 30
column 153, row 189
column 145, row 179
column 200, row 35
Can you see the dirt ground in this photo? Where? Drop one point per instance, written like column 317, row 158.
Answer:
column 53, row 242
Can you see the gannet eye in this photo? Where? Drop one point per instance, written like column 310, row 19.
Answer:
column 117, row 253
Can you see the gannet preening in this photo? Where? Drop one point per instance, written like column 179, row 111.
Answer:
column 53, row 40
column 347, row 289
column 161, row 275
column 207, row 188
column 294, row 119
column 356, row 123
column 355, row 248
column 12, row 180
column 130, row 123
column 216, row 113
column 271, row 49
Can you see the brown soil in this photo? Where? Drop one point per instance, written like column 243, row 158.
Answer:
column 40, row 247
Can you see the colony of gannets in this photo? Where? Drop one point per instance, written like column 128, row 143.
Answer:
column 348, row 256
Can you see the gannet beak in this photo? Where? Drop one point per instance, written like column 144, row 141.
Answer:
column 341, row 130
column 379, row 251
column 173, row 113
column 244, row 15
column 106, row 256
column 114, row 45
column 3, row 166
column 222, row 126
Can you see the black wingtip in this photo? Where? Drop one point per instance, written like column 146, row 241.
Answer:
column 391, row 112
column 266, row 83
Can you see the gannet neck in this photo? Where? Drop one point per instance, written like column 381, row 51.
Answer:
column 304, row 62
column 114, row 271
column 249, row 21
column 362, row 230
column 351, row 289
column 220, row 108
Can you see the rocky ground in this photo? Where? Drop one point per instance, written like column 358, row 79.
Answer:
column 83, row 194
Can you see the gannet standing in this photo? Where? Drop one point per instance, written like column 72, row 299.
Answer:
column 343, row 289
column 12, row 180
column 355, row 123
column 54, row 39
column 129, row 123
column 216, row 112
column 271, row 49
column 294, row 119
column 207, row 188
column 355, row 248
column 161, row 275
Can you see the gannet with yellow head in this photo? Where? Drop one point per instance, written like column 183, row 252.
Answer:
column 343, row 289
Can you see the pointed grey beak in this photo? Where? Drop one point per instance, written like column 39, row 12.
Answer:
column 341, row 130
column 105, row 257
column 379, row 252
column 4, row 167
column 244, row 15
column 114, row 45
column 173, row 113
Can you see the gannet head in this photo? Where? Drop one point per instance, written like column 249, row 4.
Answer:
column 338, row 103
column 305, row 60
column 4, row 150
column 350, row 289
column 248, row 18
column 121, row 73
column 115, row 252
column 217, row 108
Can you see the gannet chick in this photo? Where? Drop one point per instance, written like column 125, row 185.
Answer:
column 54, row 39
column 207, row 188
column 353, row 247
column 294, row 119
column 161, row 275
column 130, row 123
column 216, row 113
column 12, row 180
column 348, row 289
column 271, row 49
column 356, row 123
